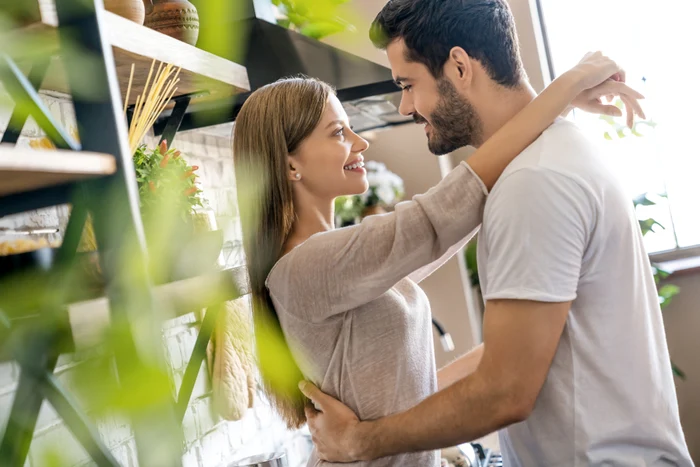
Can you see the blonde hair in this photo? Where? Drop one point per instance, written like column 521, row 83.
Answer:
column 271, row 125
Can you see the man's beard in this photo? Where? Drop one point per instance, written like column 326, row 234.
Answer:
column 454, row 122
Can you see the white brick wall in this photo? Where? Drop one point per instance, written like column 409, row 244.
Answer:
column 209, row 441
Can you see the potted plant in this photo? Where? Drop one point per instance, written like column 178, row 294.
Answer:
column 159, row 170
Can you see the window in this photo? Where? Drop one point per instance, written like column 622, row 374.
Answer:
column 657, row 43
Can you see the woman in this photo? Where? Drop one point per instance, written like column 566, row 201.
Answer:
column 346, row 300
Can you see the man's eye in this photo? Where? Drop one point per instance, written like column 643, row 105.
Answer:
column 406, row 87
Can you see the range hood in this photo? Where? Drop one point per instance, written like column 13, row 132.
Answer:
column 272, row 52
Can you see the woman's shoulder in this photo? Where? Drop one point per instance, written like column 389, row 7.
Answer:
column 276, row 272
column 296, row 256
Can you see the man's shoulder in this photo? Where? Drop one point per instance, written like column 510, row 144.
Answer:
column 560, row 145
column 562, row 151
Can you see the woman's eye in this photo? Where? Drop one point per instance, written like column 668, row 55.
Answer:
column 340, row 132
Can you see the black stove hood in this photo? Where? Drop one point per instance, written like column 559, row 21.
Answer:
column 273, row 52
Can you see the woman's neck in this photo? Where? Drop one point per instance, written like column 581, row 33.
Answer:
column 312, row 216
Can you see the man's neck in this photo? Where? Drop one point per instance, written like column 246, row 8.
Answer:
column 506, row 105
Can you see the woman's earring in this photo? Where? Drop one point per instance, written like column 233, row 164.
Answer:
column 297, row 176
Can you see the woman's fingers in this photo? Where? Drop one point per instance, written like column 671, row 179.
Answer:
column 621, row 76
column 604, row 109
column 595, row 65
column 627, row 95
column 633, row 105
column 594, row 104
column 630, row 111
column 614, row 88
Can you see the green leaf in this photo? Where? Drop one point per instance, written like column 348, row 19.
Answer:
column 471, row 261
column 677, row 371
column 313, row 18
column 649, row 123
column 608, row 119
column 607, row 136
column 659, row 273
column 647, row 225
column 643, row 200
column 304, row 7
column 322, row 29
column 297, row 20
column 666, row 294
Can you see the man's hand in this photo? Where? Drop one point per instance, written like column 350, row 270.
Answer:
column 335, row 429
column 520, row 340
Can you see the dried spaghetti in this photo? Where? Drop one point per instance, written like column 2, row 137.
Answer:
column 152, row 101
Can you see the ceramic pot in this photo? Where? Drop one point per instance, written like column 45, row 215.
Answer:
column 133, row 10
column 174, row 18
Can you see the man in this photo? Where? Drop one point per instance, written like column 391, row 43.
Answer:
column 574, row 369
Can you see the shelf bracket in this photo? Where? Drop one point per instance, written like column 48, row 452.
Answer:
column 36, row 199
column 76, row 422
column 26, row 405
column 172, row 122
column 19, row 118
column 175, row 119
column 198, row 355
column 29, row 103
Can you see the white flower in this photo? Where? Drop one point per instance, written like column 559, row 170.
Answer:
column 386, row 185
column 373, row 179
column 385, row 194
column 374, row 166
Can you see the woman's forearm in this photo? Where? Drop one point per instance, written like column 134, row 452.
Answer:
column 489, row 161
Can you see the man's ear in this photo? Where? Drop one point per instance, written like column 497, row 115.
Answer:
column 459, row 67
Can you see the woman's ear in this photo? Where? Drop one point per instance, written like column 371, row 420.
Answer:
column 293, row 174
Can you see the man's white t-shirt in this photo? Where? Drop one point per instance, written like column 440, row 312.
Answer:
column 558, row 227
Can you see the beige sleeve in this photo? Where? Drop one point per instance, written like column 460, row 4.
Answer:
column 337, row 271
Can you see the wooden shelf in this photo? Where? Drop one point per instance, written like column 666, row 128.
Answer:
column 89, row 319
column 24, row 170
column 133, row 43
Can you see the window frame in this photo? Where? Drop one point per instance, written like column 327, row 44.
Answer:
column 538, row 63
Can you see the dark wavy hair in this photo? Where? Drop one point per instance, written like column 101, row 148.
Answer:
column 485, row 29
